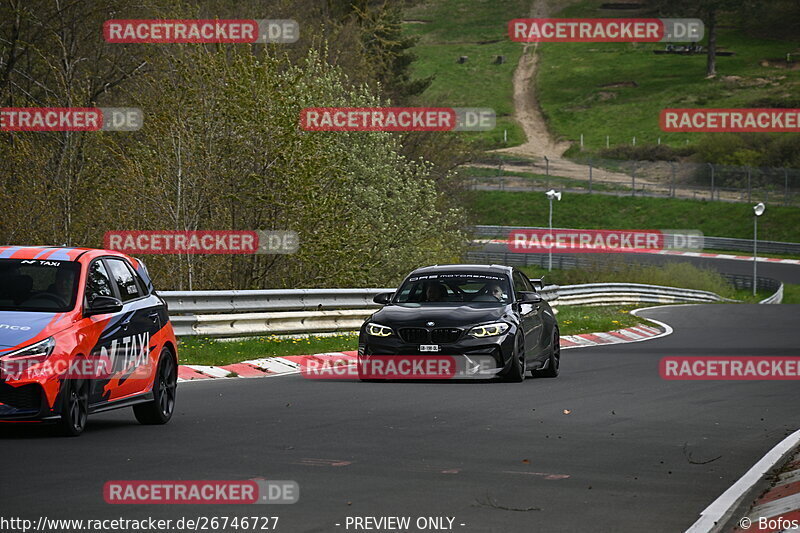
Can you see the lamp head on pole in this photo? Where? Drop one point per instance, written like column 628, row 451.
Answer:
column 759, row 209
column 551, row 194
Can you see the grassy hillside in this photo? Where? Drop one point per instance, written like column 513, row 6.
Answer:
column 718, row 219
column 595, row 89
column 600, row 89
column 448, row 29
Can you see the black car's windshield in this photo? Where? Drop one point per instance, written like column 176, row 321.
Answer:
column 448, row 287
column 38, row 285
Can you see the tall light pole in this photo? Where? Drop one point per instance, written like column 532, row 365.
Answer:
column 758, row 210
column 550, row 195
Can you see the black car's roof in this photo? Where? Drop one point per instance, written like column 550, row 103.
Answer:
column 496, row 269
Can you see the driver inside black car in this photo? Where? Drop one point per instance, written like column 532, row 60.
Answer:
column 435, row 292
column 495, row 291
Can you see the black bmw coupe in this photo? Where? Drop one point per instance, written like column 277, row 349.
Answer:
column 471, row 312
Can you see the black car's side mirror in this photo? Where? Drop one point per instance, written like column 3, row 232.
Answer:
column 383, row 298
column 102, row 305
column 530, row 298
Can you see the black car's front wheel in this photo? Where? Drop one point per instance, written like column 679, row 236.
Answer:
column 517, row 371
column 165, row 386
column 553, row 359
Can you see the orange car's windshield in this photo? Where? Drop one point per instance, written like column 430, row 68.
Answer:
column 38, row 285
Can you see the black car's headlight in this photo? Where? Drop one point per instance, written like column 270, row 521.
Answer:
column 376, row 330
column 40, row 350
column 488, row 330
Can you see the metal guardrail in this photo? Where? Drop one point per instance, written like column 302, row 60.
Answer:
column 631, row 293
column 775, row 298
column 269, row 300
column 266, row 312
column 709, row 243
column 275, row 312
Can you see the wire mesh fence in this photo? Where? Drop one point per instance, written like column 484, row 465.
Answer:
column 666, row 179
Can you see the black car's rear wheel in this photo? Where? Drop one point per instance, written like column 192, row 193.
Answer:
column 165, row 388
column 553, row 360
column 74, row 407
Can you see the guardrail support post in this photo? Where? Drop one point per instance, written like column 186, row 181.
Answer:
column 633, row 180
column 590, row 176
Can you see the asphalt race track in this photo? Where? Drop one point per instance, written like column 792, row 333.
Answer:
column 498, row 457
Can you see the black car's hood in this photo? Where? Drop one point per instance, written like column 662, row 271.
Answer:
column 399, row 315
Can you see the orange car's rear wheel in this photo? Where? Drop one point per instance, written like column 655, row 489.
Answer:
column 165, row 387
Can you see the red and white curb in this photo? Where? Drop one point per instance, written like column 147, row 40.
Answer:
column 620, row 336
column 779, row 506
column 262, row 368
column 292, row 364
column 728, row 256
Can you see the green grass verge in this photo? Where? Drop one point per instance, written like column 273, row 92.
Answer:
column 203, row 351
column 791, row 293
column 718, row 219
column 448, row 29
column 575, row 319
column 572, row 320
column 600, row 89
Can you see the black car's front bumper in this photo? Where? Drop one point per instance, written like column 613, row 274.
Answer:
column 498, row 350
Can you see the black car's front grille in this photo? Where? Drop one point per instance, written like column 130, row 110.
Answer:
column 24, row 397
column 436, row 336
column 445, row 335
column 415, row 335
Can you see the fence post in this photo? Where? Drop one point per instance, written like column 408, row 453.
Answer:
column 590, row 176
column 749, row 185
column 785, row 187
column 711, row 166
column 672, row 183
column 633, row 180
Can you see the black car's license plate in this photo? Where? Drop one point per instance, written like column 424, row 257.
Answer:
column 429, row 348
